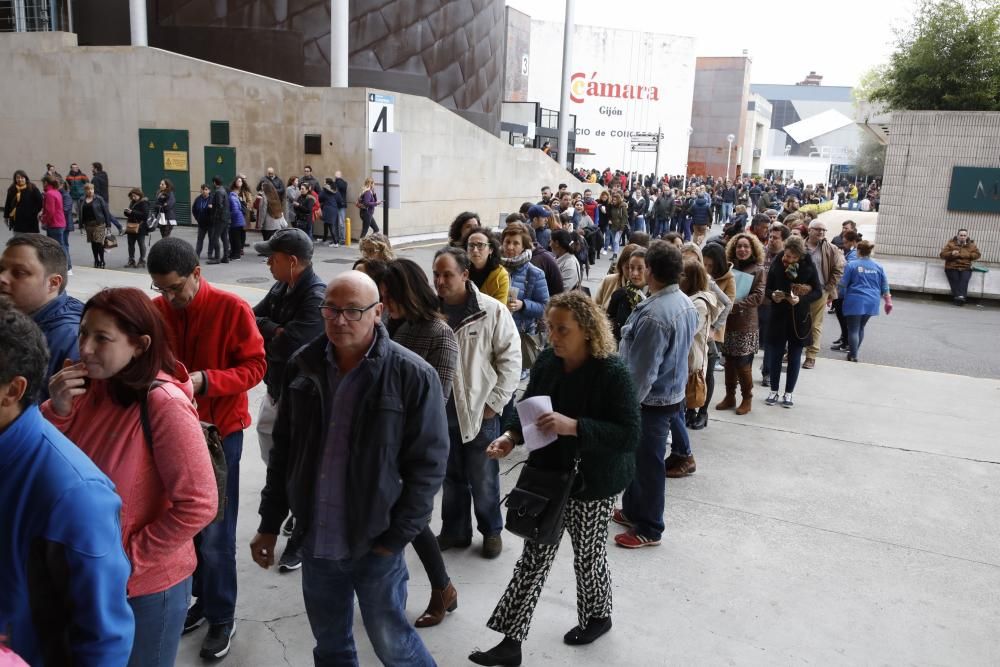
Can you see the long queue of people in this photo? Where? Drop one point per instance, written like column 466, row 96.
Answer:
column 383, row 387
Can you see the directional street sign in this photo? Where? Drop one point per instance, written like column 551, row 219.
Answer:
column 644, row 143
column 644, row 149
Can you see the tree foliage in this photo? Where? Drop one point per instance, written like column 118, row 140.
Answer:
column 949, row 59
column 871, row 157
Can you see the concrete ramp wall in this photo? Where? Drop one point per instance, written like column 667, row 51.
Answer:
column 64, row 103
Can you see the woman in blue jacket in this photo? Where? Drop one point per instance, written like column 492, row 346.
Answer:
column 527, row 303
column 864, row 284
column 237, row 224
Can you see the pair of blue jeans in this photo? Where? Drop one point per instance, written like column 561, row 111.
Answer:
column 856, row 332
column 215, row 577
column 473, row 479
column 680, row 443
column 159, row 620
column 727, row 211
column 62, row 236
column 329, row 587
column 643, row 500
column 775, row 353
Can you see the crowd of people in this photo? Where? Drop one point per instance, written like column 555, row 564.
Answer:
column 384, row 386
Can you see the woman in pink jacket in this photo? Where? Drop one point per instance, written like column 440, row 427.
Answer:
column 167, row 486
column 54, row 218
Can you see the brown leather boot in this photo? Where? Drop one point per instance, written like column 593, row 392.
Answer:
column 729, row 401
column 442, row 601
column 745, row 375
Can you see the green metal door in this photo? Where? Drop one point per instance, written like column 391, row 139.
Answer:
column 164, row 154
column 220, row 161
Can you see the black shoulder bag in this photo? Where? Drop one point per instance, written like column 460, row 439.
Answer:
column 536, row 506
column 213, row 440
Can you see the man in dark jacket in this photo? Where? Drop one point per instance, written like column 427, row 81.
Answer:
column 288, row 318
column 33, row 274
column 62, row 566
column 220, row 223
column 274, row 180
column 360, row 479
column 341, row 184
column 663, row 211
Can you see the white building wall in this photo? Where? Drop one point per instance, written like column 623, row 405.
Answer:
column 623, row 57
column 924, row 146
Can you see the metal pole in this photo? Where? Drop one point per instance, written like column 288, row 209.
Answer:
column 340, row 18
column 137, row 20
column 69, row 15
column 564, row 98
column 659, row 130
column 20, row 25
column 385, row 200
column 53, row 15
column 729, row 156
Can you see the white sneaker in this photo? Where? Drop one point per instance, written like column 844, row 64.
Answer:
column 335, row 245
column 786, row 401
column 604, row 251
column 69, row 272
column 772, row 398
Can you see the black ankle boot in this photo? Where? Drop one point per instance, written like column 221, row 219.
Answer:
column 689, row 416
column 700, row 420
column 507, row 652
column 595, row 628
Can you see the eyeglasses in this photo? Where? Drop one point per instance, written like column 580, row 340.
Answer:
column 173, row 289
column 350, row 314
column 478, row 246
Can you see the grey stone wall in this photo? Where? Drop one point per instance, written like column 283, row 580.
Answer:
column 914, row 220
column 70, row 103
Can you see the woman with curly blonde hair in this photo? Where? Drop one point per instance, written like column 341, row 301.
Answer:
column 602, row 429
column 746, row 255
column 376, row 246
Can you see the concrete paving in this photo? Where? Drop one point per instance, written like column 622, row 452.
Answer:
column 857, row 528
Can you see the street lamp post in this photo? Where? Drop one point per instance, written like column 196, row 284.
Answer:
column 729, row 154
column 684, row 187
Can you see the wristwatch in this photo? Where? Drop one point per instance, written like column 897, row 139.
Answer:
column 506, row 434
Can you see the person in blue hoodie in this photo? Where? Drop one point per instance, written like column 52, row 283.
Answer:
column 237, row 223
column 33, row 274
column 63, row 569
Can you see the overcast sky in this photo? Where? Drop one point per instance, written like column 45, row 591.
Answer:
column 784, row 40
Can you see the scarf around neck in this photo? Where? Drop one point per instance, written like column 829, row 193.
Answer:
column 516, row 262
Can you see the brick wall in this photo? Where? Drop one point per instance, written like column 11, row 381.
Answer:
column 914, row 220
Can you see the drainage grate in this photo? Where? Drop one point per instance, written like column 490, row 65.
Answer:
column 253, row 280
column 340, row 260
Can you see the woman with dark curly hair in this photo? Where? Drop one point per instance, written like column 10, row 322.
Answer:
column 793, row 283
column 486, row 273
column 746, row 254
column 601, row 432
column 23, row 204
column 460, row 227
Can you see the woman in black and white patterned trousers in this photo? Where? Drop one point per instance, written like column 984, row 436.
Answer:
column 603, row 429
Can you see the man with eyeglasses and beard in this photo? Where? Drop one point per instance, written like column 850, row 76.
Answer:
column 215, row 335
column 360, row 445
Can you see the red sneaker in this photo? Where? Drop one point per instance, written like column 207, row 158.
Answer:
column 630, row 540
column 619, row 517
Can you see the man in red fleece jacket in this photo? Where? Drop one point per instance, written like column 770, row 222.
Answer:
column 215, row 335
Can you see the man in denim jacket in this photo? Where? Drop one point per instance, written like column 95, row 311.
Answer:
column 655, row 343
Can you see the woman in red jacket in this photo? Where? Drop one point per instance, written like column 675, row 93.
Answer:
column 167, row 485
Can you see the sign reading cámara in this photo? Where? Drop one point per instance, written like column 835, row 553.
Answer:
column 974, row 189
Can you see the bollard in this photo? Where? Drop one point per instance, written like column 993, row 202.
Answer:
column 347, row 230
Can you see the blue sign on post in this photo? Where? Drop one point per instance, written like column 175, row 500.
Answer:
column 974, row 189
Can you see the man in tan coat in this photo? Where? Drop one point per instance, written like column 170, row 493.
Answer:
column 829, row 261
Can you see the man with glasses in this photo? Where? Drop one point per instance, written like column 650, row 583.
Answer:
column 360, row 443
column 214, row 334
column 829, row 262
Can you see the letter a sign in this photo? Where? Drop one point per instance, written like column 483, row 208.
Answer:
column 380, row 108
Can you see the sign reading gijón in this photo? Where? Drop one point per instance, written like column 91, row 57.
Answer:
column 974, row 189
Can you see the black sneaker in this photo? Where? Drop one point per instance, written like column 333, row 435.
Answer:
column 194, row 619
column 289, row 527
column 291, row 557
column 218, row 640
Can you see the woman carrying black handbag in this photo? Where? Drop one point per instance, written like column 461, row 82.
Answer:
column 602, row 431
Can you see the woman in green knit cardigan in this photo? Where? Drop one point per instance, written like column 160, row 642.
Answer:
column 596, row 415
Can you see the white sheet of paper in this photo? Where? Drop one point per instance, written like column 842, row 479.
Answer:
column 529, row 410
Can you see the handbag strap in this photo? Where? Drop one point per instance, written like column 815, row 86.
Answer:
column 147, row 428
